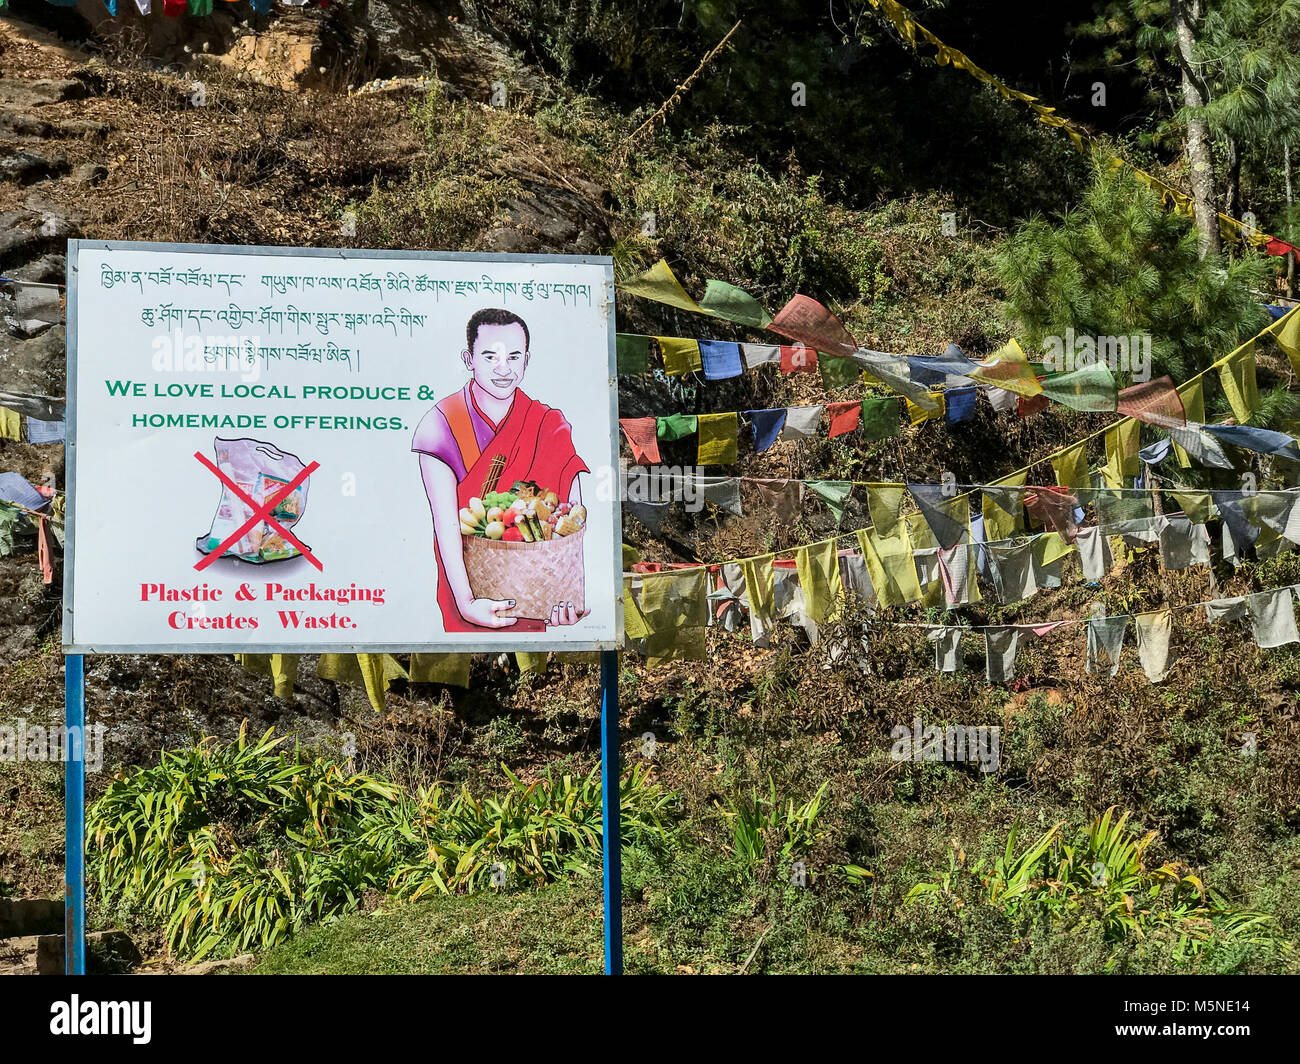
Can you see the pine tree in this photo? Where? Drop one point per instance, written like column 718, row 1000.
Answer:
column 1239, row 77
column 1120, row 264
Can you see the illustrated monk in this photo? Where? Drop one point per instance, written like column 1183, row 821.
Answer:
column 457, row 441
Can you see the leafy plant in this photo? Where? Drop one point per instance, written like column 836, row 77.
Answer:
column 1102, row 872
column 762, row 819
column 236, row 846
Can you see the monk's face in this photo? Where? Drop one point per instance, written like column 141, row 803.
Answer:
column 499, row 359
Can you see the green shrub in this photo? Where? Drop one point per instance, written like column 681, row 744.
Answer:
column 236, row 846
column 1100, row 875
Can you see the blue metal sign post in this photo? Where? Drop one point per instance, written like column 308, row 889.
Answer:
column 611, row 812
column 74, row 816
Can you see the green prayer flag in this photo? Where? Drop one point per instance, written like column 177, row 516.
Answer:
column 880, row 419
column 1090, row 387
column 838, row 372
column 832, row 492
column 676, row 426
column 725, row 300
column 633, row 353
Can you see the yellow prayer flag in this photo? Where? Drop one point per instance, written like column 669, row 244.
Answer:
column 1196, row 505
column 1071, row 467
column 443, row 668
column 919, row 413
column 660, row 284
column 1050, row 547
column 676, row 611
column 717, row 435
column 889, row 562
column 1288, row 337
column 681, row 355
column 819, row 577
column 759, row 589
column 282, row 668
column 634, row 626
column 1122, row 453
column 885, row 504
column 1008, row 368
column 11, row 424
column 919, row 532
column 1002, row 522
column 371, row 671
column 531, row 662
column 1237, row 376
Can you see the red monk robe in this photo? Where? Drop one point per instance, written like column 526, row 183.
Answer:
column 537, row 442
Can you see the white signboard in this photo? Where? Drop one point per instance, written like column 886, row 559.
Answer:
column 291, row 450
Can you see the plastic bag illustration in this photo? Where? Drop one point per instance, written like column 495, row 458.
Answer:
column 260, row 470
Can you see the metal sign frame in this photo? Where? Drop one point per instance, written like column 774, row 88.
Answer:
column 498, row 644
column 74, row 685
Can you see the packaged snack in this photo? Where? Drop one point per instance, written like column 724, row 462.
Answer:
column 261, row 470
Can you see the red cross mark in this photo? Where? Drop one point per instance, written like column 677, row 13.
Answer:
column 261, row 512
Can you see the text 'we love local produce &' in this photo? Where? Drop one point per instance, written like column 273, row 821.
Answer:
column 302, row 450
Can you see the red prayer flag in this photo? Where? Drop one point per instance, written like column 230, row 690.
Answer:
column 643, row 437
column 844, row 416
column 1054, row 507
column 806, row 320
column 783, row 496
column 1156, row 402
column 1032, row 405
column 798, row 359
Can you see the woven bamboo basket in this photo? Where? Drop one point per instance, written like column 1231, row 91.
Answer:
column 537, row 576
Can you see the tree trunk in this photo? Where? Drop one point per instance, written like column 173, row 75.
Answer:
column 1232, row 197
column 1290, row 255
column 1187, row 16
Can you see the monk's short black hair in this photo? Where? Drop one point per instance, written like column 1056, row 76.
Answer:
column 493, row 316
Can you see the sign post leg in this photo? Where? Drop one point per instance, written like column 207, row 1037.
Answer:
column 611, row 808
column 74, row 817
